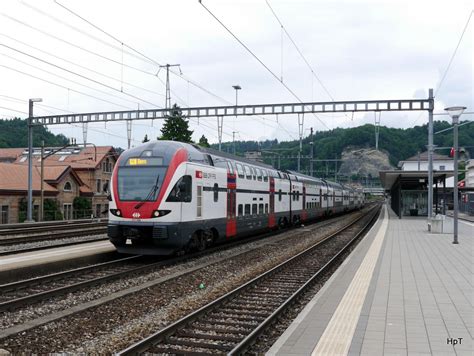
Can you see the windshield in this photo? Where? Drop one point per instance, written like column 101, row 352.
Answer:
column 136, row 183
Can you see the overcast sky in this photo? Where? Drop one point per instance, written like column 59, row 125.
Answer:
column 360, row 50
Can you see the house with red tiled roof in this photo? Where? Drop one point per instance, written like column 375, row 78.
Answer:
column 61, row 185
column 90, row 167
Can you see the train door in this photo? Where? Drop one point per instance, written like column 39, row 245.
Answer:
column 304, row 213
column 231, row 222
column 271, row 214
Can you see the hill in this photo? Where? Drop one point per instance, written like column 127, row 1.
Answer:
column 399, row 144
column 14, row 133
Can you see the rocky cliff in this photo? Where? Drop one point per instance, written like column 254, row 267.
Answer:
column 364, row 162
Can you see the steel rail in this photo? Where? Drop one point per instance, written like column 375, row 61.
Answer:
column 167, row 332
column 11, row 231
column 35, row 297
column 14, row 240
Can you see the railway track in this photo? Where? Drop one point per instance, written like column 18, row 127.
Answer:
column 16, row 294
column 232, row 323
column 34, row 228
column 21, row 293
column 76, row 232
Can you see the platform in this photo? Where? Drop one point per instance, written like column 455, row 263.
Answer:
column 16, row 262
column 402, row 291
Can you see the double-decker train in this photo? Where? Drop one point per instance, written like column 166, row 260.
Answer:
column 168, row 197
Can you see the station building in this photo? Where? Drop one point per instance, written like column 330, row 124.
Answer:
column 69, row 173
column 408, row 186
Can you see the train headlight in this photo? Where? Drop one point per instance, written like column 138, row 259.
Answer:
column 158, row 213
column 116, row 212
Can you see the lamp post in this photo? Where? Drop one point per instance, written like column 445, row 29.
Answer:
column 455, row 112
column 29, row 212
column 237, row 88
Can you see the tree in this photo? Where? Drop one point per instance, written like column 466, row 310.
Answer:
column 176, row 127
column 82, row 207
column 145, row 139
column 203, row 142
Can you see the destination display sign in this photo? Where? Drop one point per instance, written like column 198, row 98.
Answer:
column 149, row 161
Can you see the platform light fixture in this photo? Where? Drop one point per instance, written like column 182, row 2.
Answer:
column 455, row 112
column 237, row 88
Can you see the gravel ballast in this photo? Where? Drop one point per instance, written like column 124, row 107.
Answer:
column 113, row 326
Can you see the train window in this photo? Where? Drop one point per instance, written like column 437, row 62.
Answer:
column 241, row 210
column 259, row 174
column 266, row 208
column 247, row 209
column 260, row 208
column 265, row 175
column 181, row 191
column 240, row 170
column 254, row 209
column 230, row 168
column 215, row 189
column 248, row 172
column 279, row 195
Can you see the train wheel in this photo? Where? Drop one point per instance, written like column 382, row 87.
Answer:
column 198, row 242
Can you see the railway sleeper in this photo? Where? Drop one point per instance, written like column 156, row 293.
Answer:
column 285, row 285
column 221, row 336
column 250, row 306
column 235, row 323
column 204, row 326
column 257, row 301
column 267, row 293
column 241, row 316
column 244, row 311
column 170, row 350
column 196, row 342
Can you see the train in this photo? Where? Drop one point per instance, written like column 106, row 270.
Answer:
column 169, row 197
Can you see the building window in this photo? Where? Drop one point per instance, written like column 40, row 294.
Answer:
column 279, row 195
column 241, row 210
column 266, row 208
column 260, row 209
column 254, row 209
column 68, row 187
column 105, row 189
column 4, row 214
column 259, row 174
column 98, row 185
column 442, row 168
column 107, row 166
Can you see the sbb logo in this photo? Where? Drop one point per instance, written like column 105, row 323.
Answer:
column 136, row 215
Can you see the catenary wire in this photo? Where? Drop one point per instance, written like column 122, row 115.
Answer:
column 81, row 66
column 258, row 59
column 69, row 80
column 80, row 75
column 62, row 86
column 151, row 60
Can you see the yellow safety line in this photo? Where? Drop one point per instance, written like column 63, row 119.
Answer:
column 337, row 337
